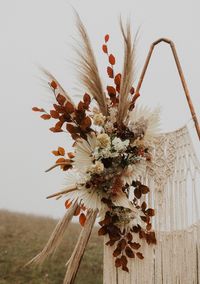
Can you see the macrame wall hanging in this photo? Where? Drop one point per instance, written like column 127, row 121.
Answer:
column 124, row 172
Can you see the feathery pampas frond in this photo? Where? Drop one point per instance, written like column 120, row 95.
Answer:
column 59, row 87
column 128, row 72
column 88, row 70
column 56, row 237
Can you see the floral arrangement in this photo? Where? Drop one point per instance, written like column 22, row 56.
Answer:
column 112, row 147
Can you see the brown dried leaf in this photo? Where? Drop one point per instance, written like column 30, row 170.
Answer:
column 110, row 72
column 60, row 99
column 102, row 231
column 129, row 252
column 53, row 85
column 150, row 212
column 139, row 255
column 111, row 90
column 82, row 219
column 117, row 252
column 105, row 48
column 45, row 116
column 61, row 151
column 112, row 59
column 137, row 193
column 118, row 262
column 38, row 109
column 135, row 245
column 144, row 189
column 69, row 108
column 107, row 38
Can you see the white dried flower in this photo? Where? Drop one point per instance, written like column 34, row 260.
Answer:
column 109, row 127
column 99, row 119
column 120, row 145
column 113, row 114
column 97, row 168
column 103, row 140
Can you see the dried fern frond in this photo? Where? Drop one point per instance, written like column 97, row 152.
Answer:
column 128, row 72
column 59, row 87
column 88, row 70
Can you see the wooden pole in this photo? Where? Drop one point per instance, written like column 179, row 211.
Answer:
column 180, row 71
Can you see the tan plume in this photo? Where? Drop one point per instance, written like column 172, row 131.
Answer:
column 88, row 70
column 128, row 72
column 60, row 88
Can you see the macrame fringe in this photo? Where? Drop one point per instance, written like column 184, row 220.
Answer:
column 174, row 180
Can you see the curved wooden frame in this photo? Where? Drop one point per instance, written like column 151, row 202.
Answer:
column 180, row 71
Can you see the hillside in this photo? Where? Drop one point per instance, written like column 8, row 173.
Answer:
column 23, row 236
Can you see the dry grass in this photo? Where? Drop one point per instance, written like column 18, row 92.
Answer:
column 23, row 236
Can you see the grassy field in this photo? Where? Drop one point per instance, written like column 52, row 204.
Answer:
column 23, row 236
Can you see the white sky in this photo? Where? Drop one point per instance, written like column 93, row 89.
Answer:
column 40, row 33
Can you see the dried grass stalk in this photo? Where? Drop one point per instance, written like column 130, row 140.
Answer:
column 75, row 259
column 88, row 70
column 60, row 88
column 56, row 237
column 128, row 72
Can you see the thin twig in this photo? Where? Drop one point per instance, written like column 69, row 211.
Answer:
column 61, row 192
column 58, row 164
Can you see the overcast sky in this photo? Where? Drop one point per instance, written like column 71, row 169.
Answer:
column 40, row 33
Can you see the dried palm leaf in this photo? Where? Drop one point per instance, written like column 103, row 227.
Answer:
column 128, row 72
column 88, row 70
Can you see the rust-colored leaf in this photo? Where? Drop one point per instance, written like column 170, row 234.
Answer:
column 55, row 130
column 150, row 212
column 144, row 206
column 59, row 125
column 54, row 114
column 118, row 262
column 122, row 244
column 53, row 85
column 86, row 98
column 82, row 219
column 38, row 109
column 135, row 245
column 69, row 108
column 60, row 99
column 138, row 193
column 107, row 38
column 111, row 90
column 129, row 237
column 71, row 155
column 125, row 268
column 124, row 260
column 86, row 123
column 129, row 252
column 118, row 79
column 71, row 128
column 45, row 116
column 144, row 189
column 105, row 48
column 61, row 151
column 117, row 252
column 110, row 72
column 56, row 153
column 139, row 255
column 68, row 203
column 60, row 160
column 112, row 59
column 102, row 231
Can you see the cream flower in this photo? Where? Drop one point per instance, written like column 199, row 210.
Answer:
column 119, row 145
column 103, row 140
column 133, row 172
column 97, row 168
column 99, row 119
